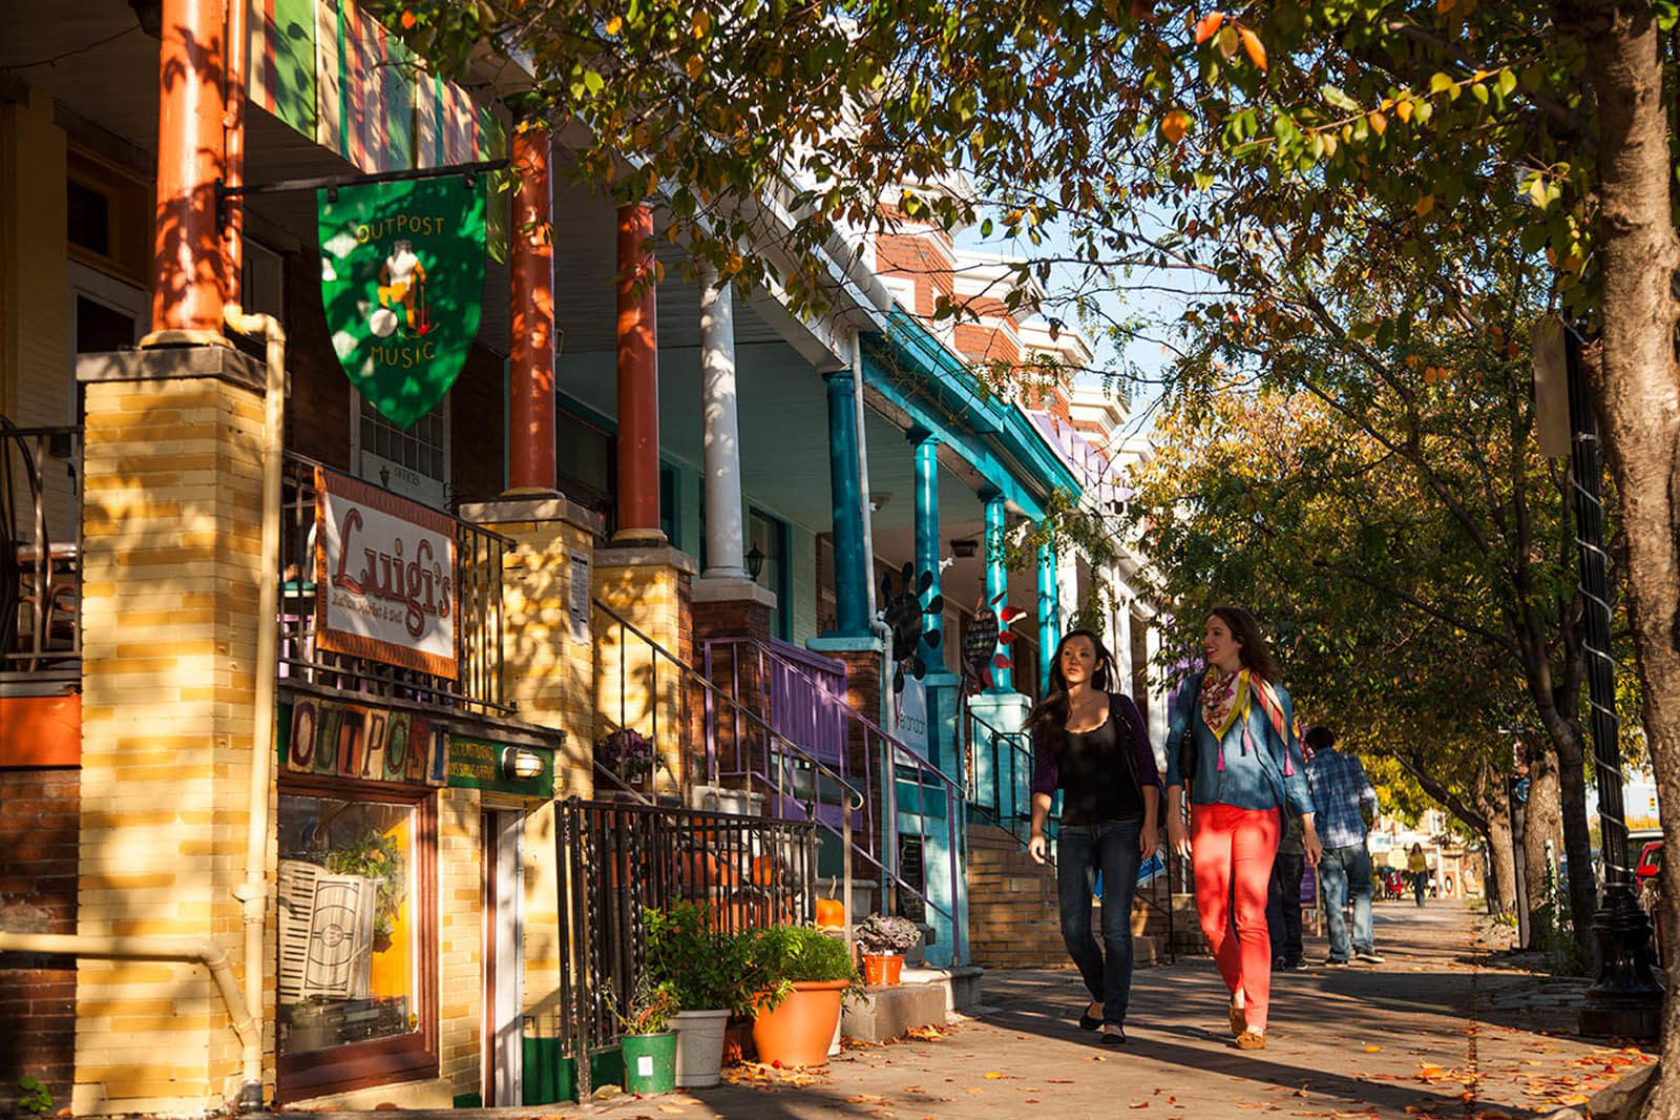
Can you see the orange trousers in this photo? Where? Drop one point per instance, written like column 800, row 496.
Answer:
column 1232, row 850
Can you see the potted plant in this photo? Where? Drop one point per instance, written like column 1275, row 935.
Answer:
column 377, row 856
column 702, row 966
column 800, row 975
column 629, row 754
column 649, row 1046
column 884, row 942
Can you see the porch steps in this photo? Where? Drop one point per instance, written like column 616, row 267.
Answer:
column 1013, row 915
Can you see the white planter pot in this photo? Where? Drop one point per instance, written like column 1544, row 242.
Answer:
column 699, row 1047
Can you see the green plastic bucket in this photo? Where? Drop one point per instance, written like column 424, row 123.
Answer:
column 650, row 1063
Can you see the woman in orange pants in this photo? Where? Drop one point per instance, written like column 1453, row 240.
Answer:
column 1231, row 744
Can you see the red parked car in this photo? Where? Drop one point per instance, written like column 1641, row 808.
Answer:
column 1648, row 876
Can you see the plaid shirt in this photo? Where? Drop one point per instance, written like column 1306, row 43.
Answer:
column 1339, row 790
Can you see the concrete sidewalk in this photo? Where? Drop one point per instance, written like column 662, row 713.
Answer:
column 1435, row 1031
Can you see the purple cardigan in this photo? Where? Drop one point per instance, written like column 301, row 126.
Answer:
column 1047, row 776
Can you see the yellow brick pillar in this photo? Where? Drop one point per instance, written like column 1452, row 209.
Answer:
column 650, row 588
column 549, row 676
column 171, row 526
column 460, row 940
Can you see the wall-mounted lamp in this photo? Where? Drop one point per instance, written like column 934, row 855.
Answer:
column 755, row 562
column 520, row 765
column 964, row 549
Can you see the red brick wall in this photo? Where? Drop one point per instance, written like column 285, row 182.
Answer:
column 39, row 826
column 919, row 259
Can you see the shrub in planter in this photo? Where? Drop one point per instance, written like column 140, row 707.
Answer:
column 704, row 969
column 800, row 975
column 884, row 942
column 649, row 1047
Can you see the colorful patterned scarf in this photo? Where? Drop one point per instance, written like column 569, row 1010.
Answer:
column 1225, row 699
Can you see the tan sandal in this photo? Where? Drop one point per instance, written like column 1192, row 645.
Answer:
column 1239, row 1019
column 1251, row 1040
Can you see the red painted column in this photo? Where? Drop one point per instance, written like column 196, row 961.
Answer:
column 638, row 381
column 189, row 279
column 531, row 367
column 233, row 132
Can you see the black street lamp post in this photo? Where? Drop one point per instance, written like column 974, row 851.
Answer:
column 1625, row 1000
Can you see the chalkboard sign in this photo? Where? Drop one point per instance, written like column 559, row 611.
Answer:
column 914, row 873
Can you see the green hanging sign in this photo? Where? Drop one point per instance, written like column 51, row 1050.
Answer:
column 402, row 275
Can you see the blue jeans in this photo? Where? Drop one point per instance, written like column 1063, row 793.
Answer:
column 1340, row 868
column 1081, row 851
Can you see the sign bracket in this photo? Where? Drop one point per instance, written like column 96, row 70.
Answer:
column 330, row 183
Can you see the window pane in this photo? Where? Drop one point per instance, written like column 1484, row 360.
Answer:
column 349, row 922
column 89, row 218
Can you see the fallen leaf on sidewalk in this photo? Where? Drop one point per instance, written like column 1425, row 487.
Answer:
column 993, row 1076
column 1372, row 1049
column 1140, row 1104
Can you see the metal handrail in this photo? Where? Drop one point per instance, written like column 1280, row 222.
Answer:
column 781, row 787
column 898, row 755
column 37, row 575
column 997, row 740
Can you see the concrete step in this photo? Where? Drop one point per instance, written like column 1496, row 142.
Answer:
column 890, row 1011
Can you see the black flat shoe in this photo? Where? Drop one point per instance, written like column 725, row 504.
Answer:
column 1087, row 1023
column 1114, row 1038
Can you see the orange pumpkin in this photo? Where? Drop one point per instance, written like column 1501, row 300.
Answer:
column 831, row 913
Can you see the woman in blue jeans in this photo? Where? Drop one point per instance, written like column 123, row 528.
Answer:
column 1090, row 744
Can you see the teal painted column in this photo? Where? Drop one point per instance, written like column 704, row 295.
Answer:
column 997, row 580
column 851, row 567
column 1049, row 626
column 927, row 531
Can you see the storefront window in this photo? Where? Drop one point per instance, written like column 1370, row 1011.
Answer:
column 353, row 929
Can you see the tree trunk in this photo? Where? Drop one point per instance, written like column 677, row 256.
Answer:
column 1543, row 839
column 1638, row 394
column 1502, row 864
column 1577, row 838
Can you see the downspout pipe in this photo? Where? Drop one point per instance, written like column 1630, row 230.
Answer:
column 253, row 892
column 212, row 957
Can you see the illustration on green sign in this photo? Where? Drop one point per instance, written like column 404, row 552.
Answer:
column 402, row 276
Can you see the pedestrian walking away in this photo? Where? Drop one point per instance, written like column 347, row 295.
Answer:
column 1417, row 866
column 1347, row 804
column 1283, row 908
column 1091, row 745
column 1230, row 747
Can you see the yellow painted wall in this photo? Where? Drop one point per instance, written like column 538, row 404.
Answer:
column 35, row 367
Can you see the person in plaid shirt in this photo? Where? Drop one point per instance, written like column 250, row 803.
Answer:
column 1346, row 804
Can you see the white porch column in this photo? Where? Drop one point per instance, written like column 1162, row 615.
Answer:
column 725, row 524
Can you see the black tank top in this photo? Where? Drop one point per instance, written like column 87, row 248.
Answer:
column 1096, row 783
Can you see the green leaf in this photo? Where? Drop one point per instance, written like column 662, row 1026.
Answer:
column 1340, row 100
column 593, row 82
column 1440, row 83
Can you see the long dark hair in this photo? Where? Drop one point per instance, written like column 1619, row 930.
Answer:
column 1050, row 715
column 1256, row 655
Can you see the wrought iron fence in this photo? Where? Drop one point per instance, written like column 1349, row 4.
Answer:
column 40, row 550
column 1000, row 768
column 910, row 817
column 617, row 858
column 478, row 603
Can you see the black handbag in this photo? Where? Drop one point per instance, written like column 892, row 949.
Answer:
column 1189, row 751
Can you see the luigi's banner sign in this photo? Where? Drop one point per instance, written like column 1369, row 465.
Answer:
column 402, row 274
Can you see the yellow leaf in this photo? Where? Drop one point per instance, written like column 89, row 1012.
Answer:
column 702, row 23
column 1256, row 50
column 1379, row 123
column 1425, row 205
column 695, row 67
column 1208, row 26
column 1372, row 1049
column 615, row 25
column 1175, row 124
column 1403, row 110
column 996, row 1076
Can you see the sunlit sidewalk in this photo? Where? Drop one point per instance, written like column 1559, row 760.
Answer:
column 1432, row 1031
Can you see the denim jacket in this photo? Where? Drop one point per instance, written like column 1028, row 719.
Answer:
column 1257, row 769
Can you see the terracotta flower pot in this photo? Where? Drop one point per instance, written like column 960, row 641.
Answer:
column 798, row 1032
column 882, row 968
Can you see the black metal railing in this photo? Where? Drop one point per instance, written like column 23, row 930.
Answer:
column 477, row 686
column 901, row 802
column 617, row 858
column 40, row 551
column 1000, row 770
